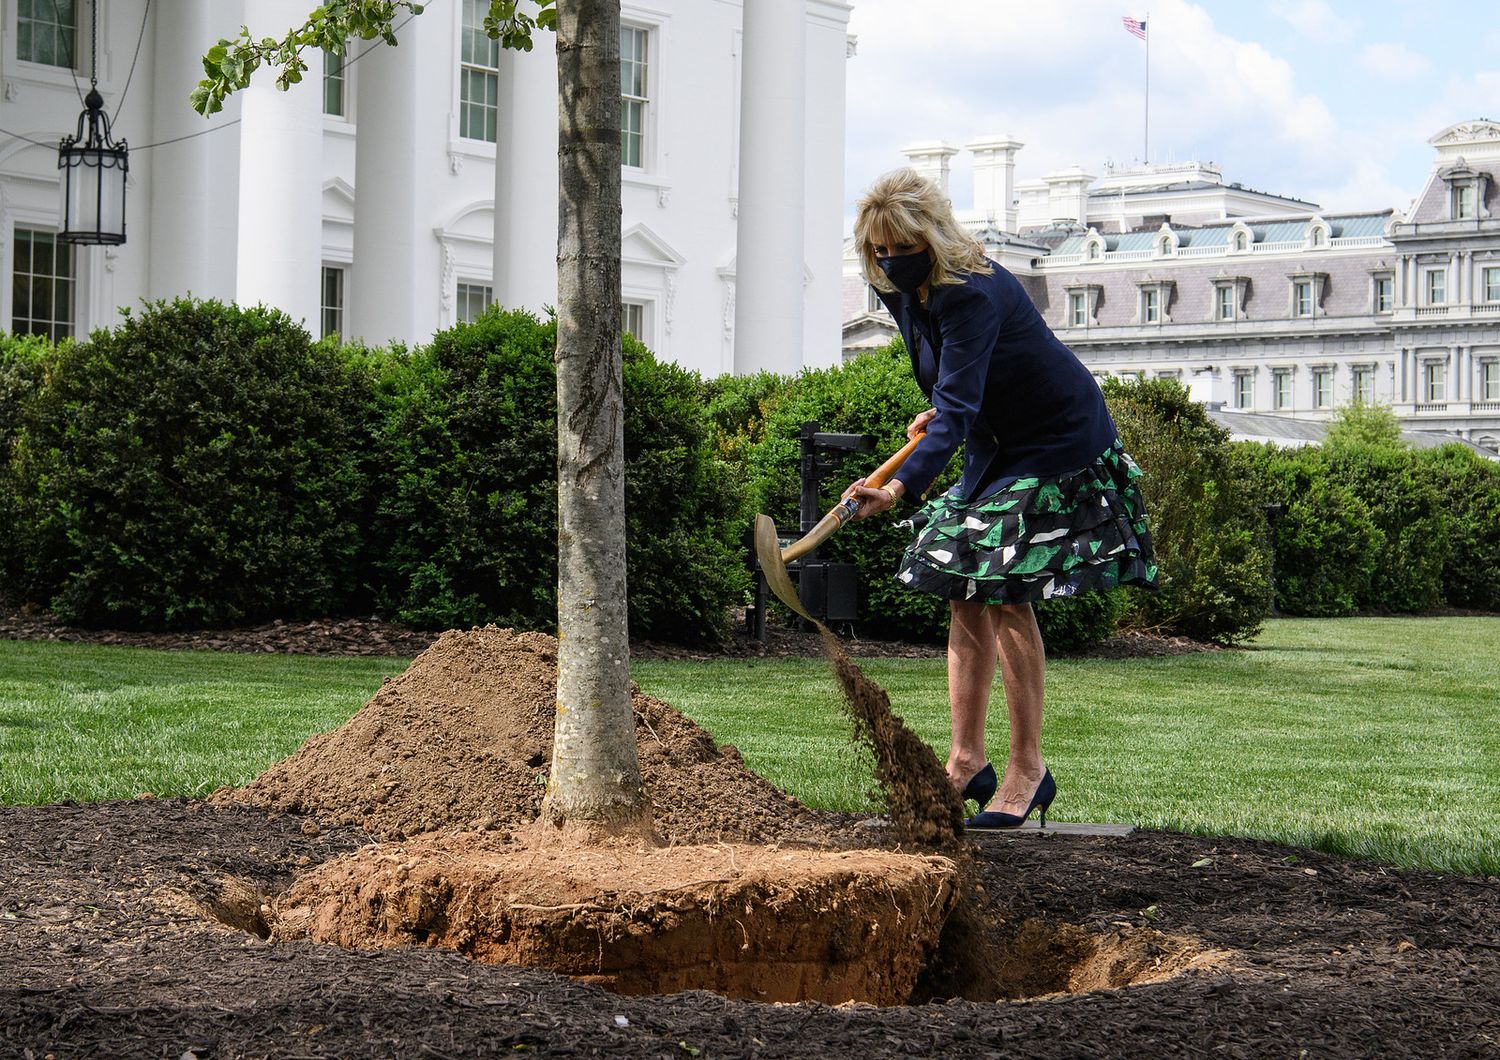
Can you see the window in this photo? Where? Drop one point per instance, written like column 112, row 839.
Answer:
column 1435, row 381
column 42, row 288
column 1322, row 388
column 1281, row 388
column 634, row 95
column 333, row 83
column 333, row 302
column 479, row 77
column 872, row 300
column 1224, row 302
column 47, row 32
column 1385, row 294
column 1166, row 244
column 1150, row 306
column 1492, row 285
column 1093, row 252
column 1241, row 241
column 1078, row 309
column 1364, row 385
column 1244, row 390
column 633, row 320
column 1437, row 286
column 1489, row 381
column 473, row 299
column 1302, row 298
column 1463, row 201
column 1319, row 237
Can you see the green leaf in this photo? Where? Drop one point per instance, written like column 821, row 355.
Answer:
column 1203, row 863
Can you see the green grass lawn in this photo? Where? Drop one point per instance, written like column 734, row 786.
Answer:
column 1373, row 737
column 86, row 723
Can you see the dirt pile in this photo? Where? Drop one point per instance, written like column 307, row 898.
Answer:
column 759, row 922
column 462, row 740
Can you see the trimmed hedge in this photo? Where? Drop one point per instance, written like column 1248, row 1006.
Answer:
column 1325, row 541
column 1470, row 486
column 466, row 524
column 199, row 465
column 1207, row 525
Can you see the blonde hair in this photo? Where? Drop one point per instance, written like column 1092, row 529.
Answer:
column 906, row 207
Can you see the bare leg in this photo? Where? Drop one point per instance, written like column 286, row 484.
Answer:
column 1023, row 664
column 971, row 673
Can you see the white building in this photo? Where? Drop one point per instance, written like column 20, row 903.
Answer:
column 1262, row 305
column 367, row 201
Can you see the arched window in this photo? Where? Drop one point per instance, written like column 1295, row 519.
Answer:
column 1166, row 244
column 1093, row 252
column 1241, row 241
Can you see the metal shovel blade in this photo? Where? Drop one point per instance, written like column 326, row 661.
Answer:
column 768, row 551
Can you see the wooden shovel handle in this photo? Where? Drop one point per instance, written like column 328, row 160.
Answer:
column 882, row 474
column 843, row 511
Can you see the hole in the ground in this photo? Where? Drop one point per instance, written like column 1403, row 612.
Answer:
column 235, row 903
column 761, row 923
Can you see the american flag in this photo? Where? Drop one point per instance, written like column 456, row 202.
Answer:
column 1136, row 27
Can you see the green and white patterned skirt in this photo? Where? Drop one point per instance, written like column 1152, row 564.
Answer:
column 1036, row 538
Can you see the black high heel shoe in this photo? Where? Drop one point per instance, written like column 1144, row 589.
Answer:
column 982, row 785
column 1046, row 791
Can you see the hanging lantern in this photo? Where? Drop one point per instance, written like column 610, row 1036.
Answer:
column 92, row 170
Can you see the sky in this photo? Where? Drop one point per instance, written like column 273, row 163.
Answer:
column 1329, row 101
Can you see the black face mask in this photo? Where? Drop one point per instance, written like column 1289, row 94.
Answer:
column 907, row 272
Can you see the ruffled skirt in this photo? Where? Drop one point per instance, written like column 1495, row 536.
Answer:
column 1036, row 538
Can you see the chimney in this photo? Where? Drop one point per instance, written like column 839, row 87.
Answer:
column 1068, row 194
column 995, row 179
column 931, row 160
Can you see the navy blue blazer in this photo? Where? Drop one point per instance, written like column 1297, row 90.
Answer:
column 1003, row 385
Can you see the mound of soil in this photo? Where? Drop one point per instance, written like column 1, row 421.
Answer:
column 462, row 740
column 765, row 923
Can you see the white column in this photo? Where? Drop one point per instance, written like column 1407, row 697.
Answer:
column 995, row 180
column 768, row 253
column 525, row 270
column 194, row 182
column 383, row 290
column 280, row 252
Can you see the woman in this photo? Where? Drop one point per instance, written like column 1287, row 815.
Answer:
column 1048, row 504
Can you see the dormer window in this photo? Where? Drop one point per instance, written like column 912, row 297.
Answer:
column 1463, row 202
column 1241, row 242
column 1166, row 245
column 1083, row 304
column 1093, row 251
column 1307, row 293
column 1155, row 301
column 1229, row 297
column 1318, row 237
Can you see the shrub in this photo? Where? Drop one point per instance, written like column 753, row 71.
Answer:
column 466, row 529
column 1408, row 510
column 22, row 365
column 1470, row 484
column 875, row 395
column 1206, row 524
column 198, row 465
column 1325, row 542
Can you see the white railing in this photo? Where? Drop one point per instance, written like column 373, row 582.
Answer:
column 1485, row 406
column 1432, row 406
column 1200, row 252
column 1359, row 241
column 1486, row 307
column 1432, row 310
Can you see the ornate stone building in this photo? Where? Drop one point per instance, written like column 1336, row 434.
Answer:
column 1257, row 303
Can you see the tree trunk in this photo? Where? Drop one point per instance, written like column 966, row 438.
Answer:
column 596, row 778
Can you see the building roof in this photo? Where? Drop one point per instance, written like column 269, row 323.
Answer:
column 1265, row 230
column 1293, row 433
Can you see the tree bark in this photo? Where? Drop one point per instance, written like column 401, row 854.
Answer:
column 595, row 782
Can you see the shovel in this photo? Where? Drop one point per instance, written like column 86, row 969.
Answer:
column 773, row 559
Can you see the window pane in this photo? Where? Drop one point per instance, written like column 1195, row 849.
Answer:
column 1492, row 285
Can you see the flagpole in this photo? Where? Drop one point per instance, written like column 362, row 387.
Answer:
column 1146, row 147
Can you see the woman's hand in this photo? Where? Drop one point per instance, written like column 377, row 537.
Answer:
column 874, row 499
column 919, row 425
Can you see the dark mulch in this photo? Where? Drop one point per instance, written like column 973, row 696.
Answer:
column 374, row 636
column 104, row 955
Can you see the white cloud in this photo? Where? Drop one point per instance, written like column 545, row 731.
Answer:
column 1315, row 18
column 1393, row 60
